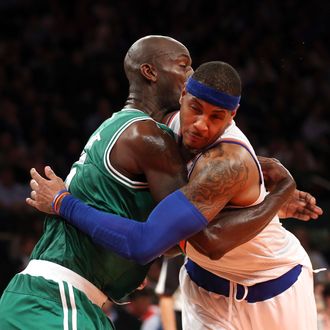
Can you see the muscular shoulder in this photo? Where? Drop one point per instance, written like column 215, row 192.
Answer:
column 146, row 138
column 220, row 176
column 236, row 169
column 144, row 149
column 224, row 162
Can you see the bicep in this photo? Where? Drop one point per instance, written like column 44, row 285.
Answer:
column 164, row 181
column 217, row 177
column 160, row 161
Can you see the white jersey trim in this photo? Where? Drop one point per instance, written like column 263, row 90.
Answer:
column 64, row 306
column 106, row 159
column 268, row 255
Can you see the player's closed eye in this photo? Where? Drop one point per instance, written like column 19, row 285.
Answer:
column 195, row 109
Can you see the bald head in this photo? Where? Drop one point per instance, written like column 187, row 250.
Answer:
column 148, row 49
column 156, row 68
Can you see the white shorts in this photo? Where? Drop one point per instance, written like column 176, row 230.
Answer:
column 293, row 309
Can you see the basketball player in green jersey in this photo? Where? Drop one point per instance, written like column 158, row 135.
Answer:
column 128, row 165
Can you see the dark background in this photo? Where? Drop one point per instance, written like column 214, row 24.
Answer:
column 61, row 75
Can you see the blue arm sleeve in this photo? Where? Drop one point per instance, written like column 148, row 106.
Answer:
column 172, row 220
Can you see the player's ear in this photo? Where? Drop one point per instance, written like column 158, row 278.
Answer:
column 148, row 71
column 233, row 113
column 183, row 93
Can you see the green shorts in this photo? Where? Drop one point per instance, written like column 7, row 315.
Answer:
column 32, row 302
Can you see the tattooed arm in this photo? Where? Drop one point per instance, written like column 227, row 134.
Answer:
column 233, row 227
column 226, row 174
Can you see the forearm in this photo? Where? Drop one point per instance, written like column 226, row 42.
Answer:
column 237, row 226
column 167, row 313
column 173, row 219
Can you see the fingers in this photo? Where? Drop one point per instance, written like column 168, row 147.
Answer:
column 307, row 197
column 310, row 206
column 34, row 184
column 33, row 195
column 302, row 216
column 50, row 173
column 308, row 213
column 31, row 202
column 36, row 176
column 316, row 212
column 312, row 200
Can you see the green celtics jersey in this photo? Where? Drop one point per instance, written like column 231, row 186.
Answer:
column 95, row 181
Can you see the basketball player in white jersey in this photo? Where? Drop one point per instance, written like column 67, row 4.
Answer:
column 267, row 282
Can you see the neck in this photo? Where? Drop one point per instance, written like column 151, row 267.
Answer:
column 146, row 100
column 167, row 116
column 148, row 107
column 186, row 153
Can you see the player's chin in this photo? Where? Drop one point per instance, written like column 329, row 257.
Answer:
column 194, row 147
column 194, row 143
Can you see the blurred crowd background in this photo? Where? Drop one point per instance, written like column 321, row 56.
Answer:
column 61, row 75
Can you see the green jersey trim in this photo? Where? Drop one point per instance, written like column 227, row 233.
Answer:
column 115, row 173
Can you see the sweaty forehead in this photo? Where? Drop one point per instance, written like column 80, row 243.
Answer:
column 172, row 55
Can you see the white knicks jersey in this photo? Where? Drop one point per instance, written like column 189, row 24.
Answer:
column 270, row 254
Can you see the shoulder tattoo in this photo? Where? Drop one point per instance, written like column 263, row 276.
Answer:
column 215, row 180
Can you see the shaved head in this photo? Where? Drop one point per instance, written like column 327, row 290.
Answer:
column 148, row 49
column 156, row 68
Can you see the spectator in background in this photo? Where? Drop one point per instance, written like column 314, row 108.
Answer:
column 12, row 193
column 143, row 308
column 316, row 127
column 96, row 118
column 120, row 317
column 140, row 313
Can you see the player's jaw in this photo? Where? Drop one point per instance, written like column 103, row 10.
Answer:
column 194, row 140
